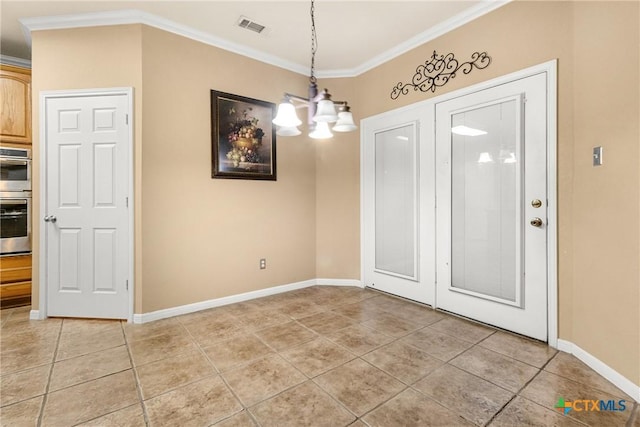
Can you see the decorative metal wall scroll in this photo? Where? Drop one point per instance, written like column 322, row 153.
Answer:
column 438, row 70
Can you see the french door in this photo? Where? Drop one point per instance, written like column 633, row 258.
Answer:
column 491, row 192
column 455, row 203
column 398, row 206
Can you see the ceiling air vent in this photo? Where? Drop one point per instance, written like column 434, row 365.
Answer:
column 247, row 23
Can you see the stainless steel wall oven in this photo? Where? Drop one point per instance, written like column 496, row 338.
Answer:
column 15, row 200
column 15, row 169
column 15, row 222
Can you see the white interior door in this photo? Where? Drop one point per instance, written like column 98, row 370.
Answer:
column 491, row 216
column 398, row 195
column 86, row 214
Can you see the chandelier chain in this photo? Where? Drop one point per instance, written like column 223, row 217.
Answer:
column 314, row 43
column 321, row 110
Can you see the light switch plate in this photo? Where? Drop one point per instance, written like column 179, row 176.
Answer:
column 597, row 156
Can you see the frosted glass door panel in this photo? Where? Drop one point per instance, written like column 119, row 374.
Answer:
column 491, row 172
column 396, row 202
column 486, row 200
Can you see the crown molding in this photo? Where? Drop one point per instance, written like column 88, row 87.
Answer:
column 131, row 16
column 124, row 17
column 185, row 31
column 97, row 19
column 16, row 62
column 432, row 33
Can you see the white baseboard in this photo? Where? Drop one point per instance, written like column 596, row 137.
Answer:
column 339, row 282
column 34, row 315
column 610, row 374
column 203, row 305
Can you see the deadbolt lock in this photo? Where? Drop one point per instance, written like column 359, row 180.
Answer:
column 536, row 203
column 536, row 222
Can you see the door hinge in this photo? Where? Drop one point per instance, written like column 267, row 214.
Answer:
column 127, row 284
column 126, row 199
column 126, row 118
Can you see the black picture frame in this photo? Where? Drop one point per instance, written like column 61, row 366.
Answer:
column 243, row 138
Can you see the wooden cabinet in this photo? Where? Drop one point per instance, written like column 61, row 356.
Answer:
column 15, row 111
column 15, row 128
column 15, row 280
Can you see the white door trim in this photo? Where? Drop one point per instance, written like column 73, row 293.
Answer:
column 550, row 68
column 42, row 262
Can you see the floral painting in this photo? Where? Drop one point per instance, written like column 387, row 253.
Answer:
column 243, row 137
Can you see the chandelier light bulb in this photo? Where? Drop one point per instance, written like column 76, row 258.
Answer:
column 326, row 111
column 345, row 122
column 321, row 109
column 321, row 131
column 287, row 116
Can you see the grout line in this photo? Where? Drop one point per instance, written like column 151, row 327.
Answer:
column 448, row 362
column 490, row 420
column 280, row 355
column 233, row 392
column 219, row 374
column 585, row 383
column 137, row 378
column 11, row 311
column 635, row 415
column 331, row 396
column 253, row 418
column 385, row 401
column 46, row 390
column 635, row 410
column 517, row 394
column 245, row 406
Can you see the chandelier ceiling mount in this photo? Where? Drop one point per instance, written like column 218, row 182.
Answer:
column 321, row 109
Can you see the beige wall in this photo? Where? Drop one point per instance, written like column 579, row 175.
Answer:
column 99, row 57
column 307, row 223
column 338, row 194
column 606, row 220
column 196, row 238
column 202, row 238
column 597, row 46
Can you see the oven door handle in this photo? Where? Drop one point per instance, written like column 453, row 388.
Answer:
column 12, row 215
column 15, row 162
column 13, row 201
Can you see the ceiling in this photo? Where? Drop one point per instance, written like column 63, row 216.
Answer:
column 353, row 36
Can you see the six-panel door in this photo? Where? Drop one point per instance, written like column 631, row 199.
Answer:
column 86, row 212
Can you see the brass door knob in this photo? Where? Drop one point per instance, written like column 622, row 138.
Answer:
column 536, row 222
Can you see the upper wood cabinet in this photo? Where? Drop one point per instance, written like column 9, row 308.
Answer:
column 15, row 99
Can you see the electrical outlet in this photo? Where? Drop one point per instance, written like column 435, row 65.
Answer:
column 263, row 263
column 597, row 156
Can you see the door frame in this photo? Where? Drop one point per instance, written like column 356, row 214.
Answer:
column 42, row 151
column 550, row 68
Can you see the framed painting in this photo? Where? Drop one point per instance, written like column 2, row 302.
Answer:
column 243, row 139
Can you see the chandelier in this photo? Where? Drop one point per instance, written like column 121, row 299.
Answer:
column 321, row 109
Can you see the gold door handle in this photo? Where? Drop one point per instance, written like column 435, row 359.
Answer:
column 536, row 222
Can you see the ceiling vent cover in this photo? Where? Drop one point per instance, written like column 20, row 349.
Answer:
column 249, row 24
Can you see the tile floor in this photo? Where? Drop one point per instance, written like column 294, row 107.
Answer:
column 320, row 356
